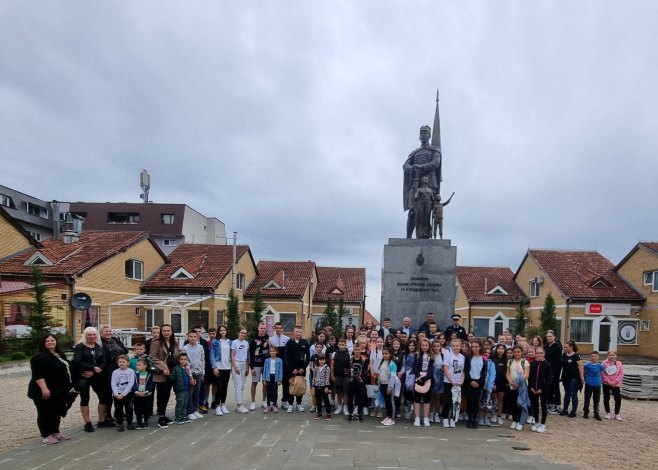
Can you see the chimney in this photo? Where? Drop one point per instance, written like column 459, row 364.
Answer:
column 70, row 237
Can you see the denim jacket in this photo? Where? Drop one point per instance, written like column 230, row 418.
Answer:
column 216, row 351
column 278, row 369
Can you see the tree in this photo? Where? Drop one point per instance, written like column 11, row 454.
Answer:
column 232, row 315
column 329, row 318
column 39, row 318
column 341, row 312
column 255, row 318
column 547, row 319
column 522, row 316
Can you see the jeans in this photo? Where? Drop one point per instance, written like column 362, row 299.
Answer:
column 322, row 398
column 388, row 400
column 272, row 391
column 571, row 394
column 193, row 400
column 616, row 392
column 181, row 405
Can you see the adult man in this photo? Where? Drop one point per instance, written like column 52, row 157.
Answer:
column 298, row 355
column 406, row 326
column 429, row 317
column 258, row 352
column 425, row 161
column 456, row 328
column 279, row 340
column 386, row 329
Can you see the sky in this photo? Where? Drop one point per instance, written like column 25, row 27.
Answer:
column 290, row 121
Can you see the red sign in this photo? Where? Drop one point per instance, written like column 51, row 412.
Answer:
column 595, row 309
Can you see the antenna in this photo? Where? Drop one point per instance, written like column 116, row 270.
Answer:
column 145, row 183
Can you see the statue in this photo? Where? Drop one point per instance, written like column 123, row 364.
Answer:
column 424, row 201
column 437, row 214
column 425, row 161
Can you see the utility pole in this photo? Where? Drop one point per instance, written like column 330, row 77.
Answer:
column 235, row 240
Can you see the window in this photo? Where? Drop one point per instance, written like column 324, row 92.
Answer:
column 134, row 269
column 197, row 319
column 481, row 327
column 288, row 320
column 220, row 317
column 239, row 282
column 170, row 242
column 122, row 217
column 654, row 288
column 648, row 278
column 90, row 317
column 5, row 201
column 176, row 321
column 167, row 219
column 534, row 288
column 18, row 315
column 153, row 318
column 513, row 325
column 37, row 211
column 581, row 331
column 35, row 235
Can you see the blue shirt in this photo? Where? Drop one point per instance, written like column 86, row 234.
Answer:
column 593, row 374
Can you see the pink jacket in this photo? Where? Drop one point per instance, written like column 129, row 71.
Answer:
column 615, row 378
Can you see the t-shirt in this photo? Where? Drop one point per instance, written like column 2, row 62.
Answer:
column 477, row 363
column 516, row 368
column 225, row 348
column 376, row 359
column 455, row 363
column 241, row 348
column 142, row 378
column 570, row 367
column 593, row 374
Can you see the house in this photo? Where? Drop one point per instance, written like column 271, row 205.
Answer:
column 336, row 284
column 487, row 299
column 33, row 214
column 639, row 268
column 13, row 237
column 108, row 266
column 192, row 289
column 594, row 304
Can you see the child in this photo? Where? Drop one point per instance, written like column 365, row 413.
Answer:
column 143, row 393
column 332, row 347
column 273, row 374
column 518, row 371
column 539, row 384
column 376, row 356
column 197, row 360
column 239, row 353
column 356, row 385
column 437, row 383
column 340, row 366
column 409, row 379
column 475, row 370
column 123, row 380
column 140, row 353
column 317, row 349
column 499, row 359
column 220, row 361
column 321, row 382
column 387, row 369
column 593, row 380
column 530, row 354
column 182, row 378
column 423, row 369
column 613, row 375
column 453, row 377
column 487, row 403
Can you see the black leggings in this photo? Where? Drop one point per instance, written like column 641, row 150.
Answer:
column 473, row 401
column 388, row 400
column 100, row 387
column 222, row 385
column 554, row 397
column 48, row 415
column 514, row 407
column 616, row 392
column 164, row 392
column 356, row 396
column 272, row 391
column 535, row 399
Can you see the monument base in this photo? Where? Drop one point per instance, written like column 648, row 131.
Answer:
column 418, row 276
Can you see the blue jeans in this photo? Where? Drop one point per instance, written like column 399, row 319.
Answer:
column 193, row 399
column 181, row 404
column 571, row 393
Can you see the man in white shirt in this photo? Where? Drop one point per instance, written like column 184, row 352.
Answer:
column 279, row 340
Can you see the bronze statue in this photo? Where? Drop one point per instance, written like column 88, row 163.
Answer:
column 424, row 200
column 425, row 161
column 437, row 213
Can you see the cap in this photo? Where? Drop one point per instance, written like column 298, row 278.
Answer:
column 456, row 316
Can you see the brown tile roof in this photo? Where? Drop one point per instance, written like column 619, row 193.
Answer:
column 293, row 276
column 91, row 249
column 351, row 282
column 576, row 272
column 651, row 246
column 368, row 316
column 19, row 285
column 478, row 280
column 208, row 264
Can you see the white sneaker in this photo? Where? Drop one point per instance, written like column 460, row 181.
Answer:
column 417, row 422
column 499, row 420
column 608, row 416
column 618, row 417
column 519, row 427
column 446, row 423
column 426, row 422
column 218, row 411
column 487, row 422
column 289, row 409
column 366, row 412
column 198, row 415
column 242, row 409
column 338, row 410
column 541, row 428
column 191, row 416
column 481, row 422
column 452, row 423
column 313, row 408
column 263, row 405
column 534, row 427
column 389, row 422
column 252, row 407
column 300, row 408
column 513, row 425
column 224, row 409
column 530, row 420
column 284, row 405
column 346, row 411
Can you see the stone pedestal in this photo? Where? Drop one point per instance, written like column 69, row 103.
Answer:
column 418, row 276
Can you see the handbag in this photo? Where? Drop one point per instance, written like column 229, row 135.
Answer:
column 423, row 387
column 372, row 390
column 297, row 386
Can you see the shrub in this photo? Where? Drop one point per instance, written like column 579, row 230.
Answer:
column 18, row 356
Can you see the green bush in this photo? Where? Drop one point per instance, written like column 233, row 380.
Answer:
column 18, row 356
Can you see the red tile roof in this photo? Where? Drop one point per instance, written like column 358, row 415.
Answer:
column 652, row 246
column 91, row 249
column 478, row 280
column 293, row 276
column 350, row 281
column 208, row 264
column 12, row 285
column 576, row 272
column 368, row 316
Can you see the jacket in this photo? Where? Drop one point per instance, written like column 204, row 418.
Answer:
column 149, row 386
column 482, row 380
column 418, row 367
column 613, row 376
column 85, row 361
column 491, row 375
column 54, row 372
column 298, row 355
column 541, row 375
column 180, row 378
column 160, row 356
column 278, row 369
column 258, row 351
column 216, row 351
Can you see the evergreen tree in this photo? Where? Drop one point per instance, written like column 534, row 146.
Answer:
column 547, row 319
column 522, row 316
column 232, row 315
column 329, row 315
column 341, row 312
column 255, row 318
column 39, row 319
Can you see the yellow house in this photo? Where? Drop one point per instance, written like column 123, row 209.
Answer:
column 13, row 237
column 192, row 289
column 336, row 283
column 640, row 269
column 595, row 306
column 487, row 299
column 108, row 266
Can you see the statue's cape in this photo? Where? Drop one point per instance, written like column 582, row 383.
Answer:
column 406, row 186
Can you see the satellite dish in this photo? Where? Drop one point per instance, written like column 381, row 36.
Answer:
column 80, row 301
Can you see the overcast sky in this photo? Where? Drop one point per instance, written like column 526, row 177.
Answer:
column 290, row 121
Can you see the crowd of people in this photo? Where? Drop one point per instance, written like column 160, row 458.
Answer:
column 422, row 374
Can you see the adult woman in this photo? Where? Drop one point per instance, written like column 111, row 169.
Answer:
column 553, row 350
column 113, row 349
column 573, row 375
column 163, row 353
column 372, row 345
column 369, row 325
column 50, row 388
column 89, row 364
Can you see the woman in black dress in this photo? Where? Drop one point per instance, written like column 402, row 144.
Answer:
column 50, row 388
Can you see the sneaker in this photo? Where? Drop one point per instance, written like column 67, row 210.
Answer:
column 318, row 416
column 186, row 421
column 499, row 420
column 553, row 410
column 120, row 428
column 61, row 437
column 218, row 411
column 572, row 414
column 564, row 413
column 452, row 423
column 534, row 427
column 131, row 427
column 494, row 422
column 407, row 415
column 417, row 422
column 263, row 405
column 359, row 418
column 519, row 427
column 203, row 409
column 446, row 423
column 349, row 418
column 145, row 425
column 252, row 407
column 389, row 422
column 338, row 409
column 106, row 424
column 385, row 420
column 366, row 412
column 608, row 416
column 179, row 422
column 198, row 415
column 275, row 409
column 328, row 417
column 530, row 420
column 346, row 410
column 513, row 425
column 380, row 413
column 162, row 423
column 426, row 422
column 289, row 409
column 242, row 409
column 541, row 428
column 191, row 417
column 50, row 440
column 312, row 409
column 139, row 426
column 487, row 422
column 481, row 422
column 267, row 410
column 224, row 409
column 300, row 407
column 284, row 405
column 618, row 417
